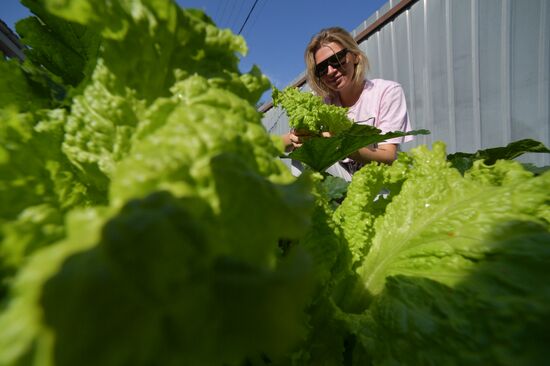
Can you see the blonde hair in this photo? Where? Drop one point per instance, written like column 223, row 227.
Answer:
column 343, row 38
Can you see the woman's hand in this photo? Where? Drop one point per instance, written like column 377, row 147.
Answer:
column 295, row 138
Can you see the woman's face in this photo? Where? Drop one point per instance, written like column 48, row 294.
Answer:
column 336, row 76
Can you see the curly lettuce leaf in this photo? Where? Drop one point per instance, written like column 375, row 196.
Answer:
column 99, row 129
column 169, row 44
column 34, row 169
column 486, row 197
column 38, row 184
column 450, row 249
column 307, row 111
column 365, row 203
column 167, row 151
column 194, row 127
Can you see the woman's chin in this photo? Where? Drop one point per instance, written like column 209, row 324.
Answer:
column 340, row 85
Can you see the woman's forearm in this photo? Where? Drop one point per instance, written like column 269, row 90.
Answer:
column 383, row 153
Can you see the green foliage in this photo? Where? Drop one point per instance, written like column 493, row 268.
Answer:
column 454, row 261
column 20, row 88
column 67, row 50
column 319, row 153
column 335, row 187
column 307, row 111
column 145, row 218
column 464, row 161
column 447, row 269
column 149, row 195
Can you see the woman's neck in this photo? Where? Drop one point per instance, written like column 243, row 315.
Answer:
column 349, row 96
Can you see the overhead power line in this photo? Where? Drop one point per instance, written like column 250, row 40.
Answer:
column 258, row 15
column 248, row 16
column 238, row 15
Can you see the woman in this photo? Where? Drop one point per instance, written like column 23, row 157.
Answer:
column 336, row 69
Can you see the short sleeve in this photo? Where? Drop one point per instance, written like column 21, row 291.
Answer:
column 393, row 114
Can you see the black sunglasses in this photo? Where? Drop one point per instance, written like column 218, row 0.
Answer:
column 336, row 60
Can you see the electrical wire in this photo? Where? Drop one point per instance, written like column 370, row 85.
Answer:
column 255, row 18
column 237, row 21
column 248, row 16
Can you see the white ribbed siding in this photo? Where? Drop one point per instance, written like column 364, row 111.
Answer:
column 475, row 72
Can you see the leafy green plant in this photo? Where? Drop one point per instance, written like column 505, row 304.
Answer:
column 464, row 161
column 447, row 269
column 319, row 153
column 307, row 111
column 146, row 218
column 130, row 189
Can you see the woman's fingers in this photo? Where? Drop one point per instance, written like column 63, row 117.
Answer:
column 295, row 140
column 301, row 132
column 298, row 137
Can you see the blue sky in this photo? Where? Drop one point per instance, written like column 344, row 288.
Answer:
column 276, row 32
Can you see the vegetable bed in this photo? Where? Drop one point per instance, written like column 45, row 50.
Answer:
column 146, row 218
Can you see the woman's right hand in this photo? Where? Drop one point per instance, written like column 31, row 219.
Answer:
column 295, row 138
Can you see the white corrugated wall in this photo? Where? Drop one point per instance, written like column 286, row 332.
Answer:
column 475, row 72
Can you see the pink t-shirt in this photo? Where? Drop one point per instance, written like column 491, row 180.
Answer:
column 382, row 105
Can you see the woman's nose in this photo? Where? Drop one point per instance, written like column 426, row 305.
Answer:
column 331, row 69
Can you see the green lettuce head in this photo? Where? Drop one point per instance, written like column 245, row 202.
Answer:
column 144, row 200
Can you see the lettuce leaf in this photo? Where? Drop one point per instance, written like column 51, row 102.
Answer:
column 464, row 161
column 332, row 271
column 438, row 210
column 473, row 247
column 20, row 91
column 149, row 207
column 307, row 111
column 67, row 50
column 143, row 214
column 496, row 314
column 319, row 153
